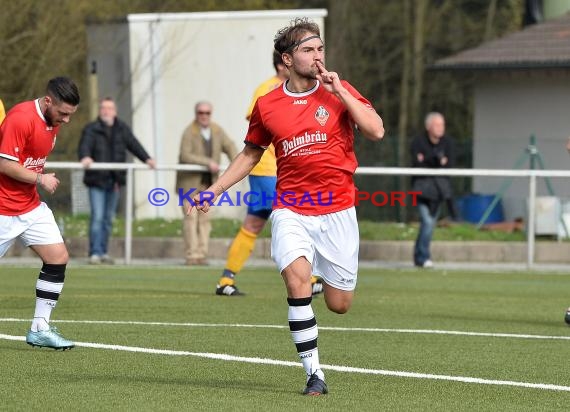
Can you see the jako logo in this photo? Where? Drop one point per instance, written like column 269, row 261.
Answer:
column 298, row 142
column 299, row 101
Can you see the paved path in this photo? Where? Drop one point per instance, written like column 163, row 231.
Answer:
column 217, row 264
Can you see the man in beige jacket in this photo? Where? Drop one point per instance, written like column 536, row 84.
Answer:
column 203, row 143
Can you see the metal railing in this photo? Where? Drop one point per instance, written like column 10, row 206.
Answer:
column 532, row 175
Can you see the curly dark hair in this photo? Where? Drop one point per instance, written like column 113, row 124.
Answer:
column 288, row 37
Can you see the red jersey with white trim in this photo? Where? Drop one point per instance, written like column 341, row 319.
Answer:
column 25, row 138
column 314, row 144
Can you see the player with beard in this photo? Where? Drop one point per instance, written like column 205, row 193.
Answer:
column 310, row 120
column 27, row 136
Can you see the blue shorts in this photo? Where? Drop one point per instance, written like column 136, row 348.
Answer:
column 262, row 190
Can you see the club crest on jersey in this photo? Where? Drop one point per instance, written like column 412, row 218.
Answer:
column 322, row 115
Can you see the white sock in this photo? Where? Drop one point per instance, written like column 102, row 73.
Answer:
column 39, row 325
column 303, row 327
column 48, row 289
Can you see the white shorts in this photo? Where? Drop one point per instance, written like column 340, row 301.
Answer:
column 37, row 227
column 329, row 242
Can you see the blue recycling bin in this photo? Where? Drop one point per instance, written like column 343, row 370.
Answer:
column 472, row 208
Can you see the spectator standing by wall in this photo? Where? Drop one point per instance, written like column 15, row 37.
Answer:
column 432, row 149
column 106, row 140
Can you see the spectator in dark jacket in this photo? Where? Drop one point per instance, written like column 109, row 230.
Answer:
column 107, row 139
column 433, row 149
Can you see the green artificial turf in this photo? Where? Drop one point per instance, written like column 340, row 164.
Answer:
column 102, row 379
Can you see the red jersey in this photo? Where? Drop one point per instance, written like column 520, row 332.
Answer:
column 314, row 144
column 25, row 138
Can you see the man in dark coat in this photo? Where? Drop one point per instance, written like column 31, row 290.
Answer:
column 433, row 149
column 107, row 140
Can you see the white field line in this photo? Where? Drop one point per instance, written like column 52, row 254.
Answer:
column 337, row 368
column 321, row 328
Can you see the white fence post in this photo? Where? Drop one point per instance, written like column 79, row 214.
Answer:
column 530, row 229
column 129, row 216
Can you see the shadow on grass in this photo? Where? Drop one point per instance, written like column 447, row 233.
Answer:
column 186, row 382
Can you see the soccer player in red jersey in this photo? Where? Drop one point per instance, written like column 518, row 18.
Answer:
column 27, row 136
column 310, row 121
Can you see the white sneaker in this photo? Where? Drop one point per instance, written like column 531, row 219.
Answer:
column 428, row 264
column 107, row 259
column 94, row 260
